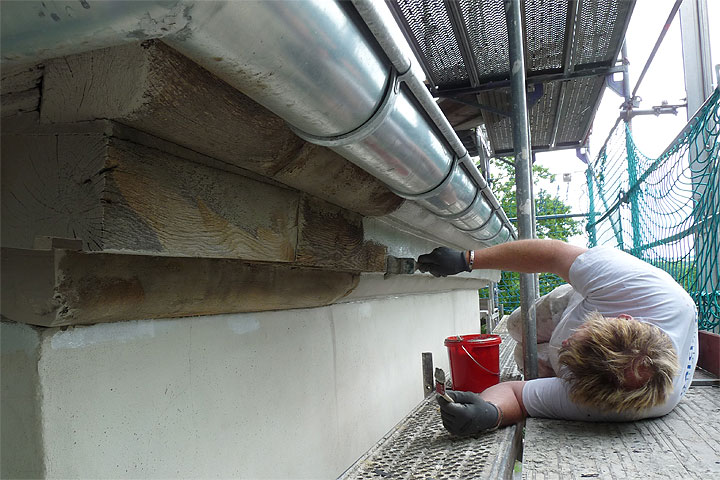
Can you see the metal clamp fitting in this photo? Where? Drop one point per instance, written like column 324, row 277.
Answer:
column 366, row 129
column 468, row 209
column 433, row 191
column 471, row 230
column 491, row 237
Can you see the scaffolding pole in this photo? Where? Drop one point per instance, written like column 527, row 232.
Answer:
column 523, row 179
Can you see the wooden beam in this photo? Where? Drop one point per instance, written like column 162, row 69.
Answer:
column 116, row 195
column 332, row 237
column 120, row 196
column 154, row 89
column 709, row 352
column 61, row 287
column 20, row 90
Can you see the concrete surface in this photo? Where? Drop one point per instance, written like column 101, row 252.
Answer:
column 288, row 394
column 20, row 429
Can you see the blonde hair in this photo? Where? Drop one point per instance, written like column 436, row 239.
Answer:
column 620, row 364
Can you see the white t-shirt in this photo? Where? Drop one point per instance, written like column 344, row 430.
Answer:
column 613, row 282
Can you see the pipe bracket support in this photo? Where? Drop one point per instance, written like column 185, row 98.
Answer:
column 470, row 208
column 472, row 230
column 366, row 129
column 493, row 236
column 433, row 191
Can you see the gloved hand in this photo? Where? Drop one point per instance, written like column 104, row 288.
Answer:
column 469, row 415
column 443, row 261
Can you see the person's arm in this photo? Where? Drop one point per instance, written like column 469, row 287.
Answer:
column 525, row 256
column 470, row 413
column 507, row 396
column 529, row 256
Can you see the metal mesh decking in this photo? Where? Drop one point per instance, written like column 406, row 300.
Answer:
column 419, row 447
column 570, row 47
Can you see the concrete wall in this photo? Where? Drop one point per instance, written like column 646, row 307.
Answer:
column 288, row 394
column 20, row 431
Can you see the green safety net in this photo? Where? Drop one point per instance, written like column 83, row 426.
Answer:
column 664, row 210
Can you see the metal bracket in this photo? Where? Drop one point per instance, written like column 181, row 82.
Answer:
column 470, row 208
column 366, row 129
column 533, row 96
column 472, row 230
column 623, row 197
column 433, row 191
column 492, row 236
column 615, row 85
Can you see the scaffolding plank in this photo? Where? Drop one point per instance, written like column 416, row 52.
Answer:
column 683, row 444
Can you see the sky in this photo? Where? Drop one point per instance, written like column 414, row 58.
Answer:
column 663, row 81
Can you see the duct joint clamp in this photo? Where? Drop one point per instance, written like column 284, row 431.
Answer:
column 470, row 208
column 366, row 129
column 437, row 188
column 493, row 212
column 494, row 236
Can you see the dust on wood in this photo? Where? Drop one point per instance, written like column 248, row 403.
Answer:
column 20, row 90
column 50, row 188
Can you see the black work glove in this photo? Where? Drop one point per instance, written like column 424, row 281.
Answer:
column 443, row 261
column 469, row 415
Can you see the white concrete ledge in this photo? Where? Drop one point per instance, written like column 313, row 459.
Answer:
column 374, row 285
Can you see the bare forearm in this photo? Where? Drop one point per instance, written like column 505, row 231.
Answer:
column 507, row 396
column 529, row 256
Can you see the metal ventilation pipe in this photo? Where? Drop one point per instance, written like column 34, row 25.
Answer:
column 328, row 68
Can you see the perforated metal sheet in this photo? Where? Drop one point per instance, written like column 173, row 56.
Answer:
column 488, row 36
column 562, row 38
column 575, row 121
column 600, row 29
column 420, row 448
column 545, row 25
column 434, row 40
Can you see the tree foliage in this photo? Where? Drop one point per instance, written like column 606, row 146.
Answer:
column 502, row 182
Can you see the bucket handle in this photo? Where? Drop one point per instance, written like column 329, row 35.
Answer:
column 497, row 374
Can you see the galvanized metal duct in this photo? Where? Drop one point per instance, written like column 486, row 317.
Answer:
column 314, row 64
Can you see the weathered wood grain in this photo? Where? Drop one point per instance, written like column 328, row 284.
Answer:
column 155, row 203
column 61, row 287
column 50, row 188
column 154, row 89
column 20, row 90
column 119, row 196
column 332, row 237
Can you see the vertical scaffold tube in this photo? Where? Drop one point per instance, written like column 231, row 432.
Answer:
column 592, row 234
column 631, row 161
column 523, row 179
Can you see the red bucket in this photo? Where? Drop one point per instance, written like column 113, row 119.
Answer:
column 474, row 361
